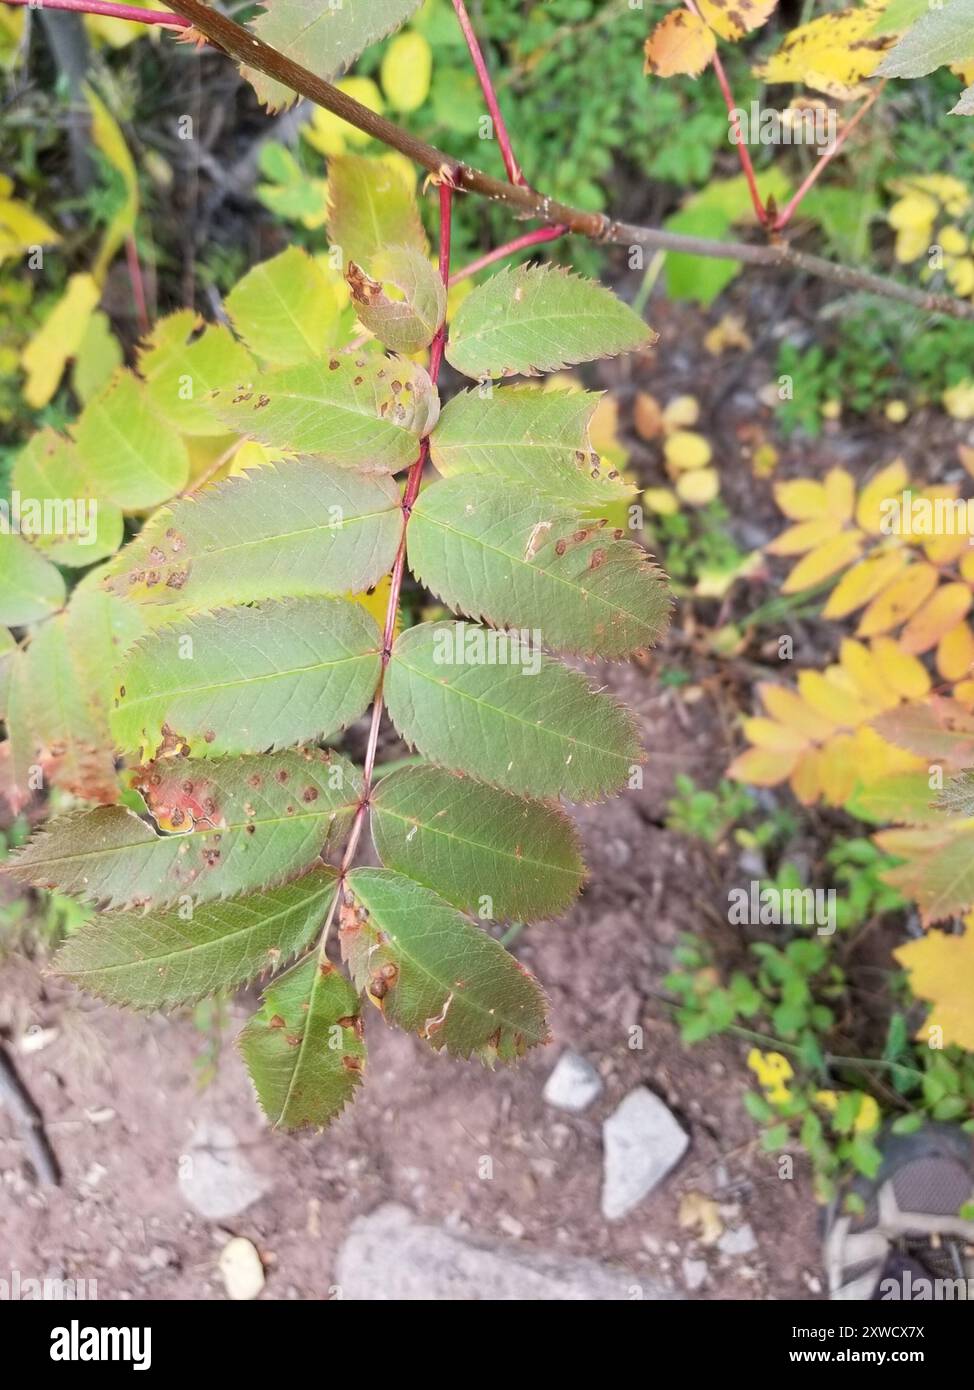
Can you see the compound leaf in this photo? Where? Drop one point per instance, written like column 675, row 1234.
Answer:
column 522, row 434
column 304, row 1048
column 243, row 824
column 484, row 702
column 246, row 679
column 288, row 530
column 532, row 319
column 432, row 972
column 475, row 844
column 519, row 560
column 155, row 959
column 941, row 970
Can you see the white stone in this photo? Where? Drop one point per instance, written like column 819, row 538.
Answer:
column 739, row 1241
column 573, row 1084
column 391, row 1256
column 694, row 1274
column 241, row 1269
column 642, row 1141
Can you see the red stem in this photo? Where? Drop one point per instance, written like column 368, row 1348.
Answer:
column 784, row 216
column 138, row 286
column 411, row 492
column 103, row 7
column 743, row 153
column 490, row 96
column 521, row 243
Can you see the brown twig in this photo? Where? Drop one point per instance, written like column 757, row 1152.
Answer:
column 28, row 1120
column 247, row 48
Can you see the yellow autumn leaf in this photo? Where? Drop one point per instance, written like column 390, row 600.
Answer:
column 840, row 493
column 698, row 487
column 966, row 567
column 964, row 693
column 958, row 401
column 681, row 44
column 887, row 484
column 806, row 777
column 953, row 241
column 328, row 133
column 762, row 767
column 912, row 243
column 765, row 733
column 832, row 54
column 837, row 770
column 941, row 970
column 58, row 338
column 960, row 276
column 825, row 560
column 955, row 653
column 661, row 500
column 109, row 139
column 945, row 550
column 685, row 449
column 827, row 698
column 952, row 192
column 913, row 212
column 901, row 672
column 732, row 19
column 899, row 601
column 863, row 582
column 21, row 229
column 866, row 673
column 874, row 758
column 681, row 413
column 938, row 616
column 801, row 499
column 407, row 68
column 804, row 536
column 787, row 707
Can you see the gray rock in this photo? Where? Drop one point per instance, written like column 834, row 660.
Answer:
column 694, row 1274
column 573, row 1084
column 215, row 1178
column 641, row 1141
column 390, row 1256
column 739, row 1241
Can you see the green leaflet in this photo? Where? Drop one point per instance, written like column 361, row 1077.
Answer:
column 67, row 524
column 155, row 959
column 359, row 412
column 483, row 850
column 938, row 875
column 370, row 208
column 531, row 319
column 539, row 438
column 97, row 359
column 30, row 587
column 68, row 669
column 284, row 309
column 327, row 38
column 288, row 530
column 944, row 34
column 410, row 322
column 489, row 704
column 131, row 456
column 246, row 679
column 304, row 1048
column 519, row 560
column 433, row 973
column 181, row 370
column 253, row 823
